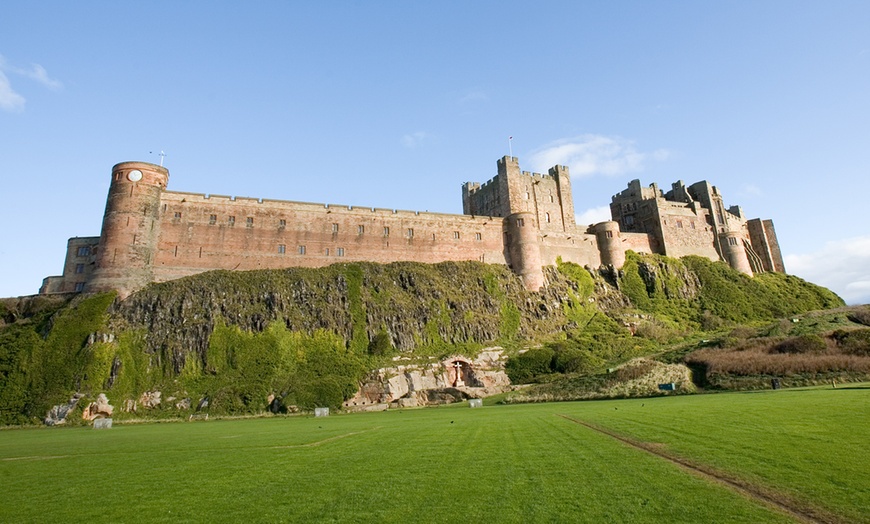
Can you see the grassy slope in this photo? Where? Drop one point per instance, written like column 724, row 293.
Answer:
column 497, row 464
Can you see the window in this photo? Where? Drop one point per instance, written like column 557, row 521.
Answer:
column 282, row 223
column 528, row 195
column 80, row 268
column 386, row 231
column 231, row 220
column 335, row 228
column 410, row 232
column 552, row 199
column 548, row 217
column 340, row 251
column 212, row 219
column 456, row 235
column 301, row 250
column 178, row 214
column 250, row 221
column 693, row 224
column 360, row 230
column 628, row 220
column 84, row 251
column 608, row 234
column 327, row 251
column 80, row 286
column 679, row 224
column 732, row 241
column 478, row 237
column 282, row 249
column 521, row 222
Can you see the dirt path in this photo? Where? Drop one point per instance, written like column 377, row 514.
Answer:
column 793, row 508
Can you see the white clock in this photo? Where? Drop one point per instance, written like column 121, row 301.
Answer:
column 134, row 176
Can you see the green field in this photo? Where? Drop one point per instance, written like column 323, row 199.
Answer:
column 526, row 463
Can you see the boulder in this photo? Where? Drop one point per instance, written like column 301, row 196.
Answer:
column 57, row 414
column 98, row 409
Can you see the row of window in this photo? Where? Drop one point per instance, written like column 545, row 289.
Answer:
column 231, row 221
column 282, row 249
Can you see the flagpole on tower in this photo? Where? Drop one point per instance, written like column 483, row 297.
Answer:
column 511, row 146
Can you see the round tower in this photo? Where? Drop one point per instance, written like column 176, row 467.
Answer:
column 609, row 243
column 524, row 249
column 734, row 252
column 131, row 227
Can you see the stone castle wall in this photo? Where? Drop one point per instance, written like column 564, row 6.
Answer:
column 521, row 219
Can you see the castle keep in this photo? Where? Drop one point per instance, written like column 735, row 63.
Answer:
column 521, row 219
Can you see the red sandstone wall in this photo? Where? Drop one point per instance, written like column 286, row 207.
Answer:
column 189, row 243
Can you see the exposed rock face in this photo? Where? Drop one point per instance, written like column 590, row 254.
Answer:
column 451, row 380
column 99, row 409
column 150, row 399
column 57, row 414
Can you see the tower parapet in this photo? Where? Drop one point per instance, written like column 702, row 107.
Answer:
column 524, row 249
column 734, row 251
column 609, row 243
column 131, row 228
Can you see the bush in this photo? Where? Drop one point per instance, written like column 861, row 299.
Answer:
column 802, row 344
column 855, row 342
column 860, row 316
column 522, row 368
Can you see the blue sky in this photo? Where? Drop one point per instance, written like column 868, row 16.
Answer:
column 396, row 104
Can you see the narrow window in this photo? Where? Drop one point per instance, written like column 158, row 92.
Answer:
column 327, row 251
column 478, row 237
column 527, row 195
column 282, row 249
column 456, row 235
column 410, row 232
column 521, row 222
column 693, row 224
column 552, row 199
column 340, row 251
column 335, row 228
column 231, row 220
column 386, row 231
column 80, row 268
column 360, row 230
column 301, row 250
column 212, row 219
column 250, row 222
column 282, row 223
column 80, row 286
column 83, row 251
column 608, row 234
column 679, row 224
column 178, row 214
column 732, row 241
column 548, row 218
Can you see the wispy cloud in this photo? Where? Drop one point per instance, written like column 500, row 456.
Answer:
column 840, row 265
column 412, row 140
column 593, row 216
column 589, row 155
column 9, row 99
column 474, row 96
column 12, row 101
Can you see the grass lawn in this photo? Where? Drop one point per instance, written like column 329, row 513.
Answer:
column 495, row 464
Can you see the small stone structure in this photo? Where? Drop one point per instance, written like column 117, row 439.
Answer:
column 321, row 412
column 452, row 379
column 103, row 423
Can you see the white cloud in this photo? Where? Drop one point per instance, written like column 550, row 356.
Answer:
column 840, row 265
column 412, row 140
column 9, row 99
column 589, row 155
column 593, row 216
column 474, row 96
column 38, row 73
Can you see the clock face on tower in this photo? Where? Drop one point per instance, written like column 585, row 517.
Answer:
column 134, row 176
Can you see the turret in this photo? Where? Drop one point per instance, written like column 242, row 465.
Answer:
column 131, row 226
column 734, row 252
column 524, row 249
column 609, row 243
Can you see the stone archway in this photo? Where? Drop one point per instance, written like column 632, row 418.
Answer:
column 460, row 372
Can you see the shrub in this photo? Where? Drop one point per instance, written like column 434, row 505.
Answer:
column 522, row 368
column 855, row 342
column 860, row 316
column 802, row 344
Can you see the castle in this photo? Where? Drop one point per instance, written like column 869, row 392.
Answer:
column 521, row 219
